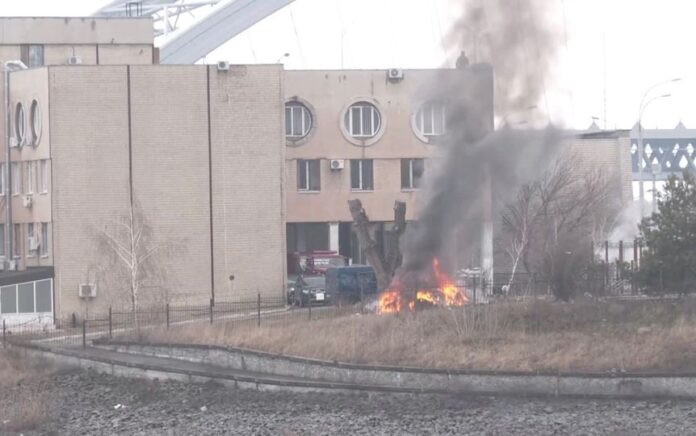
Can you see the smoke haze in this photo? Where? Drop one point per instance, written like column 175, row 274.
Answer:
column 515, row 38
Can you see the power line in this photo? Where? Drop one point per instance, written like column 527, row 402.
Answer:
column 297, row 37
column 439, row 28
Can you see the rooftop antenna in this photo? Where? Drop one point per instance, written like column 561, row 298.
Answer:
column 604, row 78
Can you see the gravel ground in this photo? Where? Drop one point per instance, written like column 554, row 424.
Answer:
column 94, row 404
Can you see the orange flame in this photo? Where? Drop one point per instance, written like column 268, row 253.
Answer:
column 446, row 294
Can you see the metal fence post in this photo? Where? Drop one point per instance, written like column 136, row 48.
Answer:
column 211, row 310
column 4, row 334
column 258, row 309
column 111, row 325
column 309, row 307
column 167, row 315
column 84, row 333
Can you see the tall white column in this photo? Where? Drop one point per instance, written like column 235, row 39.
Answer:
column 333, row 237
column 487, row 230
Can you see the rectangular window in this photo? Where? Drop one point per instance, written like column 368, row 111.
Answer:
column 308, row 175
column 15, row 170
column 432, row 119
column 43, row 176
column 32, row 55
column 25, row 297
column 29, row 174
column 8, row 299
column 411, row 173
column 362, row 120
column 361, row 177
column 44, row 240
column 17, row 240
column 30, row 237
column 44, row 296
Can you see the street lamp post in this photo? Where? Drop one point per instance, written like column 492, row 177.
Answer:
column 641, row 109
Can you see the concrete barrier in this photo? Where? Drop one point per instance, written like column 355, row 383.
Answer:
column 420, row 379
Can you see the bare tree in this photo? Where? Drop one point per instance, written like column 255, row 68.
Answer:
column 518, row 219
column 548, row 227
column 130, row 242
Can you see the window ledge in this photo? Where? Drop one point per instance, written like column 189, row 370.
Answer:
column 410, row 189
column 308, row 192
column 362, row 190
column 44, row 256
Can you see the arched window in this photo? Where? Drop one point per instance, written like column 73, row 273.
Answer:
column 35, row 115
column 20, row 124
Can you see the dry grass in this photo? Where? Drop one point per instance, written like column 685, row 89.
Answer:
column 538, row 336
column 23, row 402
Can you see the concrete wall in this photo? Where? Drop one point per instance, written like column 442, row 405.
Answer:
column 169, row 120
column 248, row 150
column 100, row 134
column 90, row 186
column 608, row 152
column 117, row 54
column 81, row 30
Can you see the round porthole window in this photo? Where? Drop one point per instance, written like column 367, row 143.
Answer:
column 20, row 124
column 298, row 120
column 430, row 121
column 362, row 120
column 35, row 114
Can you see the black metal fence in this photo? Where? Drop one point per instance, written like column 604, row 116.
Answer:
column 257, row 312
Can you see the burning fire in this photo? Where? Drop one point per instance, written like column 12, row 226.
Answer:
column 445, row 294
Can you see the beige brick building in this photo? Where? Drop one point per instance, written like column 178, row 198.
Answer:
column 406, row 119
column 195, row 152
column 363, row 134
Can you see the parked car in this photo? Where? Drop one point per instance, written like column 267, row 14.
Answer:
column 348, row 284
column 311, row 289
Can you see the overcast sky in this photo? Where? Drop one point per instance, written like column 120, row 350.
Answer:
column 636, row 42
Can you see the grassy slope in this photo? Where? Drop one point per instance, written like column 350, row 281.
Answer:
column 539, row 336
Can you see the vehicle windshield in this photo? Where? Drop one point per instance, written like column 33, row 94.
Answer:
column 317, row 281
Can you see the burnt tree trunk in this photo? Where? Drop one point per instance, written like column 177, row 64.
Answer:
column 394, row 257
column 383, row 269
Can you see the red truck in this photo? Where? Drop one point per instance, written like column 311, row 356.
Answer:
column 314, row 262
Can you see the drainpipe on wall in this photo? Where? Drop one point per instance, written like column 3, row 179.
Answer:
column 7, row 68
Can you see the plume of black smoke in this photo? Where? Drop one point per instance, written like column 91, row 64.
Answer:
column 515, row 39
column 518, row 38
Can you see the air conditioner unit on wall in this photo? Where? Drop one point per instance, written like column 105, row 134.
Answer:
column 395, row 74
column 12, row 265
column 27, row 201
column 74, row 60
column 223, row 66
column 337, row 164
column 87, row 290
